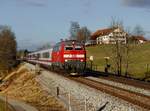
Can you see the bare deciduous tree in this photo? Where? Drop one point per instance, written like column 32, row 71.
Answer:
column 138, row 31
column 117, row 47
column 127, row 48
column 75, row 27
column 83, row 34
column 121, row 51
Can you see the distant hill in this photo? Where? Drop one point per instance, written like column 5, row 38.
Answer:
column 139, row 58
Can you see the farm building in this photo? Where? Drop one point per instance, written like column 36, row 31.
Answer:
column 109, row 36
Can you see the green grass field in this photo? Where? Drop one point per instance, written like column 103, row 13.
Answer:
column 138, row 58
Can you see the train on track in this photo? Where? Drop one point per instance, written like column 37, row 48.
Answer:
column 68, row 55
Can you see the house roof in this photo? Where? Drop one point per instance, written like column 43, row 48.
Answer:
column 102, row 32
column 139, row 38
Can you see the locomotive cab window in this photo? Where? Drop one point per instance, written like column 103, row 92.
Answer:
column 68, row 47
column 78, row 47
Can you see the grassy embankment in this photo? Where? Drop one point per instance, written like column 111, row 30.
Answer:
column 138, row 58
column 22, row 85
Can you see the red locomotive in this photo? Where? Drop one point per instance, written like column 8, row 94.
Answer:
column 69, row 55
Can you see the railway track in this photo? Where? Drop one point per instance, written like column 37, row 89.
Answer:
column 131, row 97
column 127, row 81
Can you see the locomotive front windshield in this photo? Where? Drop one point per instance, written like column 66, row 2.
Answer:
column 78, row 47
column 67, row 47
column 70, row 46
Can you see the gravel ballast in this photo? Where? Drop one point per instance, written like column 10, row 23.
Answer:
column 95, row 100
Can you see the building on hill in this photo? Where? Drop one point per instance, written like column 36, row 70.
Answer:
column 109, row 36
column 138, row 39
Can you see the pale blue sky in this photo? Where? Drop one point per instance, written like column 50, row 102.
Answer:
column 36, row 22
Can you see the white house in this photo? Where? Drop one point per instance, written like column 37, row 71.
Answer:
column 109, row 36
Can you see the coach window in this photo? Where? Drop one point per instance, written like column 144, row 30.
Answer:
column 38, row 55
column 33, row 55
column 46, row 55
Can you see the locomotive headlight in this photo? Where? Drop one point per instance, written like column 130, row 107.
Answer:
column 66, row 60
column 81, row 60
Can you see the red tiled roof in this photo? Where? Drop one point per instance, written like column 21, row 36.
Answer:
column 101, row 32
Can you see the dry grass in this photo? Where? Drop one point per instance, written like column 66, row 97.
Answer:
column 3, row 106
column 24, row 87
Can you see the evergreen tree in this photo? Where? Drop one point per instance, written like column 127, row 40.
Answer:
column 8, row 46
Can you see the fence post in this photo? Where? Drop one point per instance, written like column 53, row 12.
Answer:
column 69, row 96
column 37, row 69
column 91, row 61
column 6, row 102
column 85, row 107
column 57, row 91
column 147, row 66
column 147, row 71
column 91, row 65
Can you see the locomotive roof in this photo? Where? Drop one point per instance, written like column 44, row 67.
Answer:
column 68, row 41
column 72, row 41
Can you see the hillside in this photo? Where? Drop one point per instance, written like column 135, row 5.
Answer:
column 138, row 59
